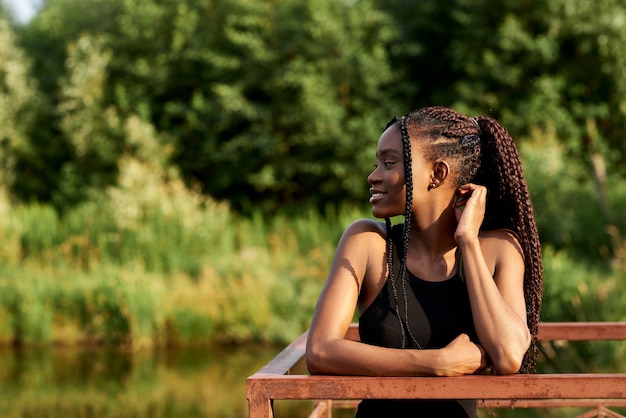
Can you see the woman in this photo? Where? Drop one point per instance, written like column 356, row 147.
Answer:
column 453, row 290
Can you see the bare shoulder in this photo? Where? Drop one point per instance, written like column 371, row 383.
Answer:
column 500, row 236
column 501, row 244
column 363, row 239
column 367, row 226
column 363, row 247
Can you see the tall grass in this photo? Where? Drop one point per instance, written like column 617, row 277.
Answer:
column 166, row 267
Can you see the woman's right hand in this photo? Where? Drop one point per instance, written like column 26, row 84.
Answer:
column 469, row 209
column 462, row 357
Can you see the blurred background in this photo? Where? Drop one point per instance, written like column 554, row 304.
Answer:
column 175, row 175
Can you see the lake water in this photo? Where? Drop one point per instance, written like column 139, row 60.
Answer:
column 103, row 383
column 177, row 383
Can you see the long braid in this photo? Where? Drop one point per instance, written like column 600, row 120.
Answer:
column 392, row 280
column 408, row 181
column 408, row 176
column 511, row 208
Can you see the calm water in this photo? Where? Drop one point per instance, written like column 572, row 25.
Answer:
column 183, row 383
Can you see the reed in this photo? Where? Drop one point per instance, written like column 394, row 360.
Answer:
column 162, row 278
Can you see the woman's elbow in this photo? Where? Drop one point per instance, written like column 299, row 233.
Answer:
column 312, row 363
column 316, row 361
column 508, row 364
column 509, row 359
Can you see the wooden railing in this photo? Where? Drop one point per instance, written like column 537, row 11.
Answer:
column 284, row 378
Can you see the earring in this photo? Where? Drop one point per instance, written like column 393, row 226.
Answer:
column 432, row 185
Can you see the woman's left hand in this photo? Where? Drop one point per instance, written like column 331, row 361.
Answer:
column 469, row 209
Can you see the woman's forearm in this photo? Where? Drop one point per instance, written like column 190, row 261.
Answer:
column 502, row 332
column 347, row 357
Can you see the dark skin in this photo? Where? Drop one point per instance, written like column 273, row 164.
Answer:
column 444, row 217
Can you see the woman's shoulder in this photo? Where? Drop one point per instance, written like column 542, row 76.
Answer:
column 498, row 234
column 501, row 241
column 365, row 225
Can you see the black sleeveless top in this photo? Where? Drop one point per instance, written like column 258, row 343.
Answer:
column 437, row 313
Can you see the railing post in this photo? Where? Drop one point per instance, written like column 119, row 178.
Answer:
column 259, row 404
column 323, row 409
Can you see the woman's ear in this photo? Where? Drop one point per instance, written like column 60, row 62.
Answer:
column 441, row 171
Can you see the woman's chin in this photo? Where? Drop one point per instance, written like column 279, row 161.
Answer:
column 382, row 214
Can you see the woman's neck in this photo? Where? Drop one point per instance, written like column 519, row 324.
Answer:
column 434, row 235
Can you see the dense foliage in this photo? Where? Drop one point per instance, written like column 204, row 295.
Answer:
column 261, row 104
column 528, row 63
column 278, row 104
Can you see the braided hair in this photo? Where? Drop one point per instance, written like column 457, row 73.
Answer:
column 484, row 153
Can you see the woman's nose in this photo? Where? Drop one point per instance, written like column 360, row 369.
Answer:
column 373, row 176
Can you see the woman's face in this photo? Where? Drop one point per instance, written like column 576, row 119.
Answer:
column 388, row 190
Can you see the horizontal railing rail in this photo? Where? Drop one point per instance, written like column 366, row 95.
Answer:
column 279, row 380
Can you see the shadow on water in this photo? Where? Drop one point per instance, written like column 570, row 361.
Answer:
column 103, row 383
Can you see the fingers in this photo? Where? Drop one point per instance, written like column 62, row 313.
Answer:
column 471, row 186
column 467, row 192
column 470, row 189
column 472, row 197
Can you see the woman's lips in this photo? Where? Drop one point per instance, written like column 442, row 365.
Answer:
column 376, row 196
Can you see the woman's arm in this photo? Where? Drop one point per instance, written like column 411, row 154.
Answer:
column 497, row 300
column 360, row 261
column 498, row 305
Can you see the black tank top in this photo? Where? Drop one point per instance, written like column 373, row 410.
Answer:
column 437, row 313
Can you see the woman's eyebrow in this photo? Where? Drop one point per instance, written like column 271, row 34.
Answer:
column 387, row 152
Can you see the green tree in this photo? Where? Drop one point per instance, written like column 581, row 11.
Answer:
column 59, row 24
column 530, row 64
column 265, row 103
column 18, row 103
column 94, row 129
column 275, row 103
column 270, row 103
column 44, row 170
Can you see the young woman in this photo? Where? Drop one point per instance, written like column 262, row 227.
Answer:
column 453, row 290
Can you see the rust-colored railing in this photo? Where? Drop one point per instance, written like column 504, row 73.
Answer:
column 284, row 378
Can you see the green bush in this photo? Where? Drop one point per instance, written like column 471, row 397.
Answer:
column 565, row 198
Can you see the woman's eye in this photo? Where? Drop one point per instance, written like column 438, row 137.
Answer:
column 386, row 164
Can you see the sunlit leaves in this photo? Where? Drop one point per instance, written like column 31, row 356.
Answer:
column 18, row 99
